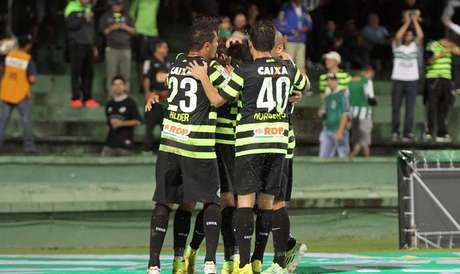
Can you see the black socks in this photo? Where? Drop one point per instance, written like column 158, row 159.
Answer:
column 263, row 228
column 280, row 230
column 158, row 228
column 227, row 232
column 244, row 230
column 198, row 232
column 181, row 230
column 211, row 222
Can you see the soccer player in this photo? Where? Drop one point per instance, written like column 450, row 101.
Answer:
column 263, row 87
column 236, row 55
column 186, row 169
column 295, row 248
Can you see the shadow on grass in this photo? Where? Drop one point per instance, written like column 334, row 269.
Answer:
column 342, row 268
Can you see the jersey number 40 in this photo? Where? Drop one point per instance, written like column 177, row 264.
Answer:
column 270, row 99
column 190, row 86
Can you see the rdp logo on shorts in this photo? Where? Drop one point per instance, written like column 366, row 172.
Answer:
column 177, row 132
column 267, row 132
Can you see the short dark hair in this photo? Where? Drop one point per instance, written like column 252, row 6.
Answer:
column 262, row 36
column 158, row 42
column 203, row 30
column 24, row 40
column 119, row 77
column 239, row 52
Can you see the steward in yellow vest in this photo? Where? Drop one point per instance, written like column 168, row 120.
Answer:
column 19, row 75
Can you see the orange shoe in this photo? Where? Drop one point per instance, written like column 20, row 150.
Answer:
column 76, row 103
column 91, row 103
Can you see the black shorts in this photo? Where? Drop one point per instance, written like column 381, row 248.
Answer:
column 226, row 164
column 186, row 180
column 286, row 185
column 259, row 173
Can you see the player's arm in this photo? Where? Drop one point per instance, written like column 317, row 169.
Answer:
column 217, row 88
column 300, row 81
column 200, row 72
column 152, row 98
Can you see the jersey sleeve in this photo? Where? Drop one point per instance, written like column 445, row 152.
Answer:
column 217, row 75
column 299, row 80
column 233, row 86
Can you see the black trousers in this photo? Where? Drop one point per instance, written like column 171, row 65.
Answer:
column 81, row 74
column 152, row 118
column 439, row 99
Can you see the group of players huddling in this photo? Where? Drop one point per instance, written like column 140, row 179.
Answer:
column 227, row 142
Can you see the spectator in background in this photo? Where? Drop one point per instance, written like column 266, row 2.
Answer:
column 20, row 73
column 117, row 26
column 225, row 27
column 80, row 27
column 330, row 40
column 334, row 137
column 405, row 75
column 155, row 72
column 332, row 61
column 253, row 14
column 362, row 97
column 144, row 13
column 122, row 118
column 439, row 96
column 375, row 38
column 240, row 23
column 295, row 22
column 352, row 46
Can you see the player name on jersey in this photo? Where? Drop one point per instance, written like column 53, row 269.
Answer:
column 264, row 116
column 272, row 70
column 181, row 117
column 179, row 71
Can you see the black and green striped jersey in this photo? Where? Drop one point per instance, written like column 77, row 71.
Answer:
column 441, row 67
column 342, row 76
column 263, row 88
column 291, row 141
column 189, row 124
column 226, row 123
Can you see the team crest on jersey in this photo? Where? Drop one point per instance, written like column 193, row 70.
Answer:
column 176, row 132
column 122, row 109
column 269, row 132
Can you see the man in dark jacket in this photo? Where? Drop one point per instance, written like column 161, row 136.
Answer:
column 80, row 27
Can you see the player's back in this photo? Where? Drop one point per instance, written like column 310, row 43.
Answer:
column 190, row 121
column 263, row 123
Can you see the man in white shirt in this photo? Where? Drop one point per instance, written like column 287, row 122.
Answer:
column 405, row 74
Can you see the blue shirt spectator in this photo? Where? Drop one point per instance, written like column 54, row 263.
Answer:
column 294, row 21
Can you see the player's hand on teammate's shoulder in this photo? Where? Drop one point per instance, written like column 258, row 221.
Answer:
column 229, row 69
column 198, row 71
column 285, row 56
column 151, row 99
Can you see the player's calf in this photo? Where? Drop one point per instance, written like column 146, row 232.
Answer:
column 158, row 228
